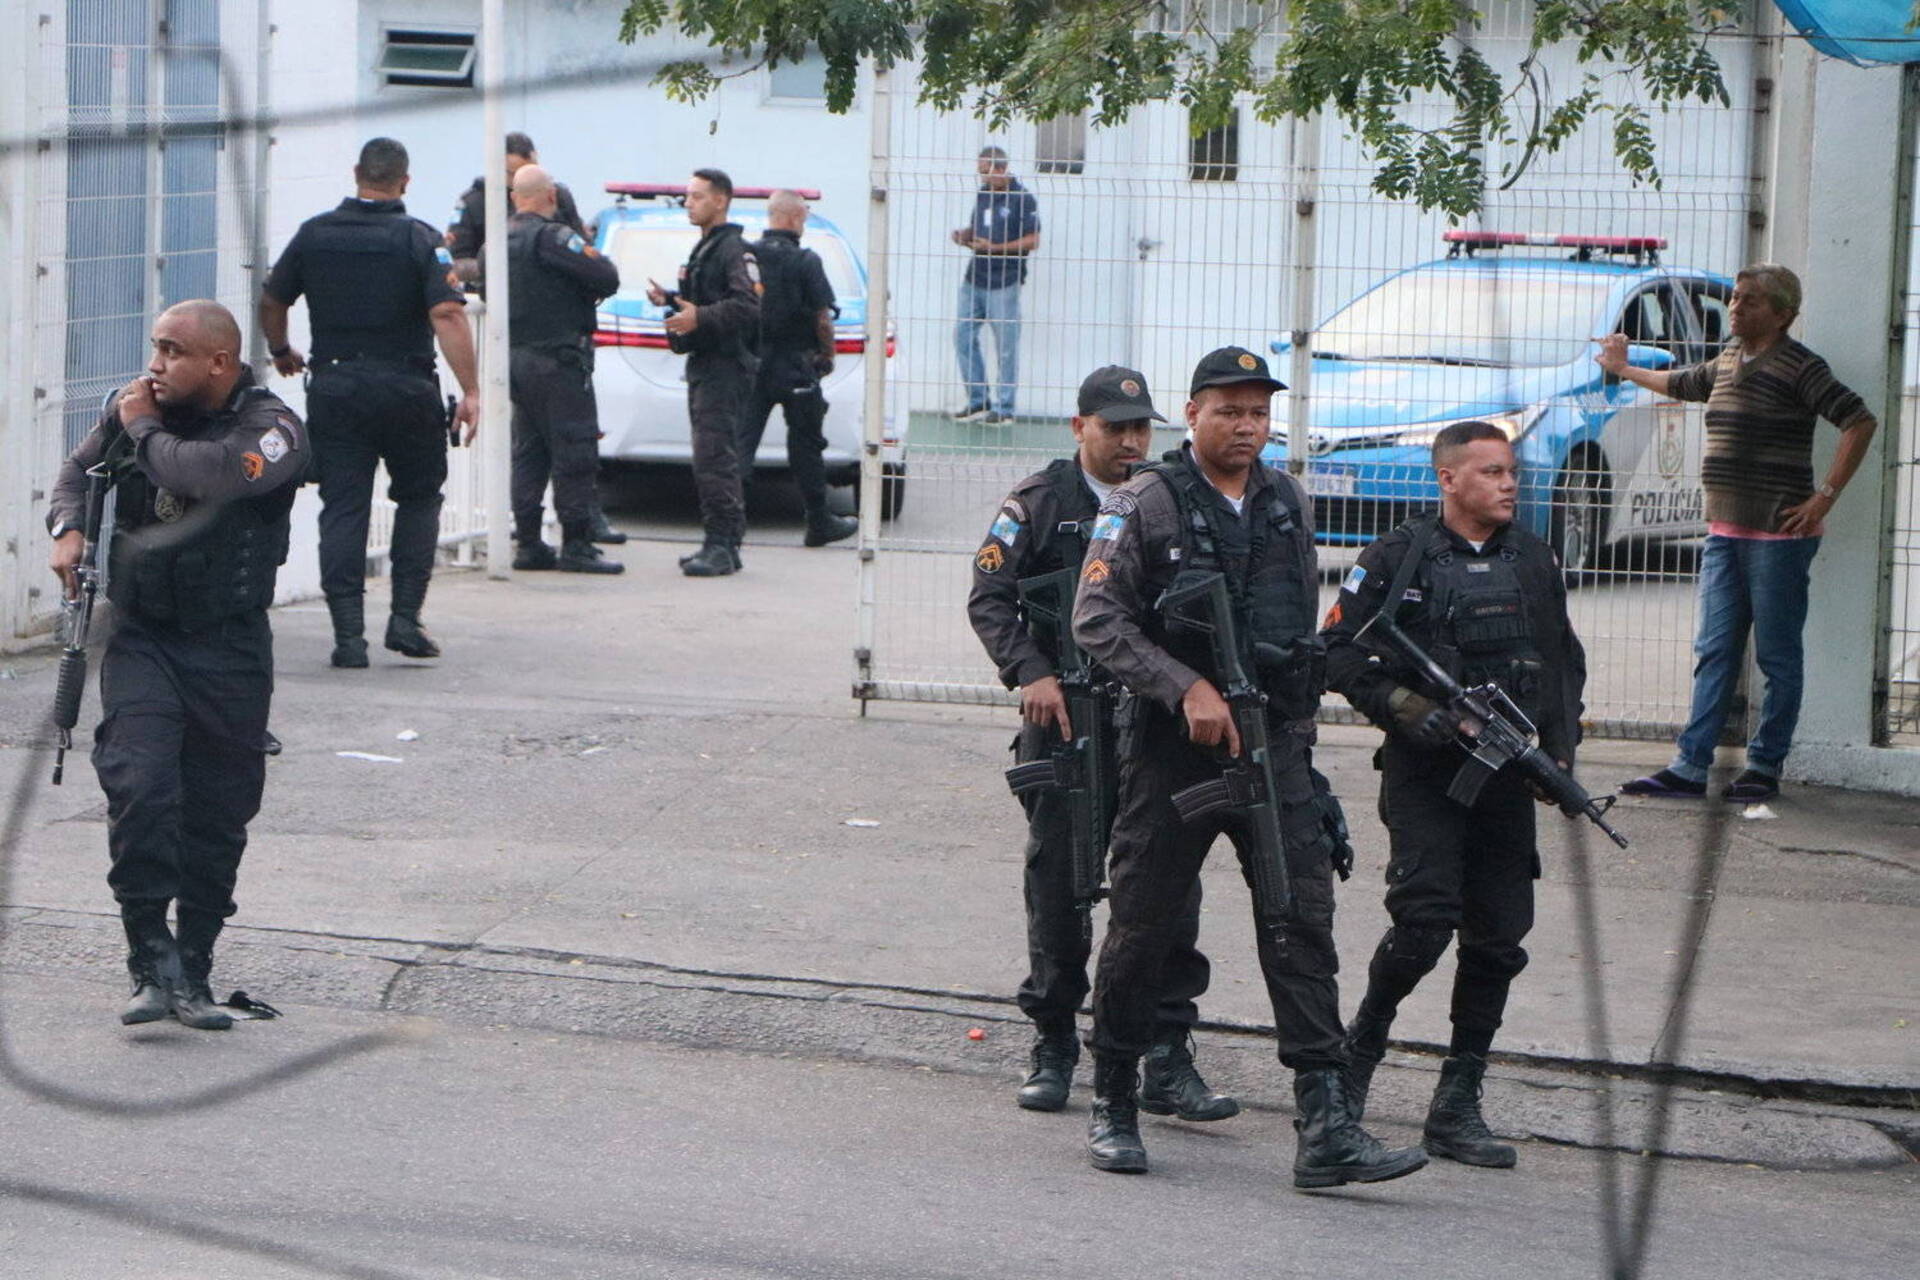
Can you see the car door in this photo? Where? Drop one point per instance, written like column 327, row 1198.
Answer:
column 1646, row 435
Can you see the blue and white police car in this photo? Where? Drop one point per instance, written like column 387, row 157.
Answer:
column 1500, row 332
column 641, row 385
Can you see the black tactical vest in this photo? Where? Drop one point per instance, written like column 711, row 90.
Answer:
column 786, row 323
column 1478, row 619
column 362, row 268
column 189, row 565
column 1064, row 545
column 546, row 309
column 704, row 280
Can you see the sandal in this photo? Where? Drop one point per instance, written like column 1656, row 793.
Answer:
column 1664, row 783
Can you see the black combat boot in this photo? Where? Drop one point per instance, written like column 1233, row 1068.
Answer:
column 1365, row 1045
column 405, row 635
column 1055, row 1050
column 1171, row 1084
column 715, row 559
column 823, row 526
column 153, row 962
column 533, row 554
column 349, row 629
column 1333, row 1148
column 1113, row 1131
column 601, row 530
column 579, row 555
column 192, row 998
column 1455, row 1127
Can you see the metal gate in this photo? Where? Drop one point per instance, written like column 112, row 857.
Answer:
column 1158, row 245
column 1900, row 707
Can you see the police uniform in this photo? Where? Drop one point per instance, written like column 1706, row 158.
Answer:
column 1044, row 526
column 793, row 359
column 1166, row 521
column 722, row 279
column 556, row 279
column 1493, row 612
column 200, row 530
column 467, row 232
column 371, row 274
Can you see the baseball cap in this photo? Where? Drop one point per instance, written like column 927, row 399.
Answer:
column 1229, row 366
column 1117, row 395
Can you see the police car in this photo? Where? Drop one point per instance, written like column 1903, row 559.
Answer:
column 1499, row 332
column 641, row 386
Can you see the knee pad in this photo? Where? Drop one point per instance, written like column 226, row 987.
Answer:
column 1421, row 945
column 1500, row 960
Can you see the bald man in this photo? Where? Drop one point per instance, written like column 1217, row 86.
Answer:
column 205, row 465
column 796, row 352
column 555, row 280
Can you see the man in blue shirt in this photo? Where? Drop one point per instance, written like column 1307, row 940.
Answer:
column 1004, row 230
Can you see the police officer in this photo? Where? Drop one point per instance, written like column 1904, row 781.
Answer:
column 796, row 352
column 1213, row 507
column 1487, row 600
column 379, row 288
column 206, row 465
column 1043, row 526
column 467, row 238
column 556, row 278
column 715, row 324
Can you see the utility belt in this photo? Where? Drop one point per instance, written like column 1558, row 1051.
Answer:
column 412, row 366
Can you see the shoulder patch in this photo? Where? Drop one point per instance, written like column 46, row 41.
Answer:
column 445, row 255
column 575, row 244
column 1016, row 508
column 1333, row 617
column 990, row 558
column 1108, row 526
column 459, row 214
column 274, row 444
column 252, row 465
column 753, row 267
column 1354, row 579
column 1005, row 528
column 1096, row 572
column 1121, row 502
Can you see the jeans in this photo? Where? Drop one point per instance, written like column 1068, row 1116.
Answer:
column 1762, row 584
column 997, row 310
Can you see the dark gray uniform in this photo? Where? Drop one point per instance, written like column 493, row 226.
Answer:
column 1498, row 613
column 371, row 274
column 1044, row 525
column 467, row 231
column 1165, row 520
column 200, row 530
column 721, row 278
column 793, row 359
column 556, row 279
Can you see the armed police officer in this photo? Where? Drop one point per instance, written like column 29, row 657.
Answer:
column 1212, row 518
column 1485, row 599
column 556, row 278
column 1043, row 528
column 715, row 323
column 796, row 352
column 379, row 287
column 205, row 465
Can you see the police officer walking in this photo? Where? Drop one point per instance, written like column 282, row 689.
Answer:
column 379, row 287
column 715, row 323
column 1043, row 527
column 796, row 352
column 1212, row 507
column 206, row 465
column 556, row 278
column 1487, row 600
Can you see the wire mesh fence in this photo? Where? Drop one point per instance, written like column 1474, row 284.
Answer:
column 1156, row 245
column 1900, row 719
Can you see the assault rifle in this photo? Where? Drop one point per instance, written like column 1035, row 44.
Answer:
column 1200, row 602
column 1503, row 736
column 1076, row 768
column 70, row 686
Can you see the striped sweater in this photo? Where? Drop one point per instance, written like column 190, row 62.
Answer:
column 1759, row 456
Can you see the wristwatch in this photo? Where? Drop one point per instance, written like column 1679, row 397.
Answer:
column 1828, row 492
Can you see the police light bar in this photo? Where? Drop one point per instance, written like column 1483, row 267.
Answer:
column 1584, row 247
column 649, row 190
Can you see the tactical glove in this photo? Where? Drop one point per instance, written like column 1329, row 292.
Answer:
column 1422, row 720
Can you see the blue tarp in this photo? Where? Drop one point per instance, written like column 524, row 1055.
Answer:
column 1861, row 31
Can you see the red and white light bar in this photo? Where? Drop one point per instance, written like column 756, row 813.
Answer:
column 651, row 189
column 656, row 339
column 1552, row 240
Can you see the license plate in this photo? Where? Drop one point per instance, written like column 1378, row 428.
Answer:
column 1325, row 482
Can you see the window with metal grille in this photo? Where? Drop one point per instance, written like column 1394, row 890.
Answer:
column 1060, row 144
column 427, row 59
column 1214, row 156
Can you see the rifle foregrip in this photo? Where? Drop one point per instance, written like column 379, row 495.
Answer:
column 69, row 688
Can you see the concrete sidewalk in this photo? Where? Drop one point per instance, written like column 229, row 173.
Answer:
column 654, row 775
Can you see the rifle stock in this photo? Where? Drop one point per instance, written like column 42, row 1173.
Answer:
column 70, row 685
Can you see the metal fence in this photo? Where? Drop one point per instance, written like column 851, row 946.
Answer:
column 1900, row 707
column 1157, row 246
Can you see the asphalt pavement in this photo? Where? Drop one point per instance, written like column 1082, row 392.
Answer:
column 644, row 809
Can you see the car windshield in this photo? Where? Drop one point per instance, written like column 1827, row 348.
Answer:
column 1445, row 316
column 646, row 253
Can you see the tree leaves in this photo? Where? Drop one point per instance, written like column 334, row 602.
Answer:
column 1378, row 66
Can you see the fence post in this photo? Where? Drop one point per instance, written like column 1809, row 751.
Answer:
column 496, row 407
column 873, row 416
column 1306, row 260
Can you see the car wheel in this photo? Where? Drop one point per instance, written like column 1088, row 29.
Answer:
column 893, row 489
column 1582, row 498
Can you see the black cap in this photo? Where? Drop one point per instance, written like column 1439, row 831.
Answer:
column 1117, row 395
column 1229, row 366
